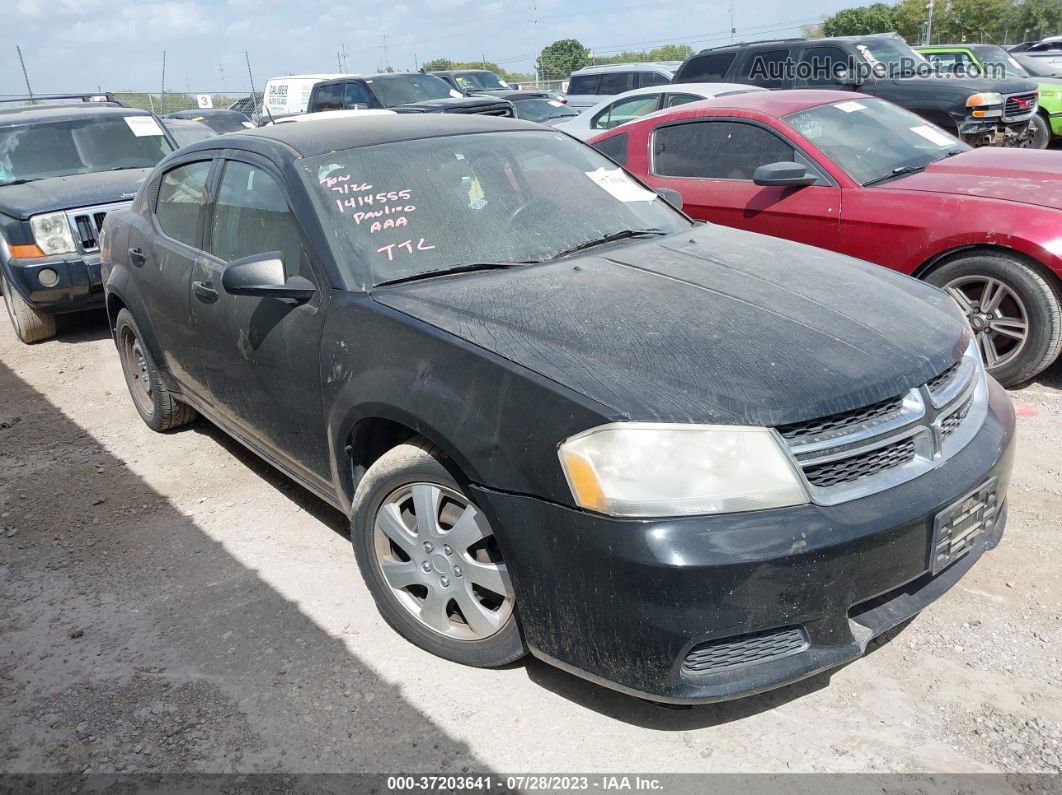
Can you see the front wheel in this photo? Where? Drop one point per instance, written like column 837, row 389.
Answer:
column 30, row 325
column 1041, row 132
column 1014, row 311
column 431, row 560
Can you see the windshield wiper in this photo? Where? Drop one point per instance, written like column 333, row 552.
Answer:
column 19, row 181
column 472, row 266
column 899, row 171
column 621, row 235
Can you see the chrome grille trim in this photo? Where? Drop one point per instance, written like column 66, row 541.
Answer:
column 1011, row 111
column 936, row 425
column 86, row 223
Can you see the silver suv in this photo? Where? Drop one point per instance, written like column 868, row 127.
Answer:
column 590, row 85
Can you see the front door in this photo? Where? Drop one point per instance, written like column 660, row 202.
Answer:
column 711, row 164
column 262, row 364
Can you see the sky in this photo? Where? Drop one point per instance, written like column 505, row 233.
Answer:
column 117, row 45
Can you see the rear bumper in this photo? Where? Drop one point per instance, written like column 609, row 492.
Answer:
column 623, row 602
column 79, row 286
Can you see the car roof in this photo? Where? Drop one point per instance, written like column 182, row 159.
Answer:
column 775, row 103
column 321, row 76
column 811, row 42
column 648, row 66
column 308, row 140
column 24, row 114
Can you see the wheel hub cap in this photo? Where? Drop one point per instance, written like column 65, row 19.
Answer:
column 997, row 316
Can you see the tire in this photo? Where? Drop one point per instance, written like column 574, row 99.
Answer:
column 1041, row 130
column 157, row 406
column 430, row 608
column 1021, row 295
column 29, row 324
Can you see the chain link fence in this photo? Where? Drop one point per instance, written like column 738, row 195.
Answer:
column 171, row 102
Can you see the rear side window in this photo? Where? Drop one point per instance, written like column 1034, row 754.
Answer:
column 711, row 68
column 583, row 84
column 647, row 79
column 328, row 97
column 716, row 150
column 182, row 195
column 766, row 68
column 826, row 66
column 617, row 82
column 251, row 216
column 672, row 100
column 614, row 148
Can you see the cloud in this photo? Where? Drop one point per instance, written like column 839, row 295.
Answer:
column 145, row 21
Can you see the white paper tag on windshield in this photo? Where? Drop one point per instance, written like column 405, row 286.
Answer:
column 936, row 136
column 455, row 94
column 620, row 185
column 556, row 103
column 143, row 125
column 849, row 106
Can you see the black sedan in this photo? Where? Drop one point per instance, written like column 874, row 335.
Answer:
column 687, row 462
column 220, row 121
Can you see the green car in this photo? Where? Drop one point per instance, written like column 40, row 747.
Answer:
column 991, row 60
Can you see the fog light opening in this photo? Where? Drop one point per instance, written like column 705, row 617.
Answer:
column 48, row 277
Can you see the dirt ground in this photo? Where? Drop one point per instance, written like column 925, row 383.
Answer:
column 170, row 603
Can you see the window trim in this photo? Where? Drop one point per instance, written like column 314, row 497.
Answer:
column 608, row 110
column 825, row 179
column 202, row 156
column 264, row 164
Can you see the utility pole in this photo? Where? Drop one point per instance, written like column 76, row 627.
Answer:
column 162, row 88
column 733, row 30
column 929, row 24
column 221, row 71
column 387, row 58
column 25, row 74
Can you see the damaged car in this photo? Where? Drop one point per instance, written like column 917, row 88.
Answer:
column 768, row 457
column 64, row 164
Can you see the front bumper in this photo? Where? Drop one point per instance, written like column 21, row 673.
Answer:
column 994, row 131
column 622, row 602
column 79, row 286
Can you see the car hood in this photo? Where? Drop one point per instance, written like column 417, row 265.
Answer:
column 712, row 325
column 972, row 85
column 65, row 193
column 1029, row 176
column 452, row 105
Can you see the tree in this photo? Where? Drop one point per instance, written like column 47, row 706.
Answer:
column 1039, row 18
column 670, row 52
column 561, row 58
column 438, row 65
column 877, row 18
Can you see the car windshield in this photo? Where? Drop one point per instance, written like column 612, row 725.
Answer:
column 418, row 207
column 891, row 57
column 1035, row 68
column 998, row 63
column 542, row 109
column 189, row 132
column 872, row 139
column 479, row 81
column 394, row 90
column 79, row 146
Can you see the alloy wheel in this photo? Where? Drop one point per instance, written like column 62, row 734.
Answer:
column 438, row 555
column 997, row 315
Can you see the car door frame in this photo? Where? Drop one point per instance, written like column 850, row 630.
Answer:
column 236, row 426
column 608, row 109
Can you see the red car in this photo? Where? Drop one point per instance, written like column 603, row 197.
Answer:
column 864, row 177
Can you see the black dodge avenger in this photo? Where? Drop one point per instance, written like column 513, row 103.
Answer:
column 684, row 461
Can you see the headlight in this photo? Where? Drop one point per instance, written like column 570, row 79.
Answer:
column 52, row 233
column 985, row 98
column 650, row 469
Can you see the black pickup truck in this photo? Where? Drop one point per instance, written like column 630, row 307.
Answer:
column 65, row 162
column 402, row 92
column 981, row 111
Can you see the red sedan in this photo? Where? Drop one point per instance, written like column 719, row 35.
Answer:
column 866, row 178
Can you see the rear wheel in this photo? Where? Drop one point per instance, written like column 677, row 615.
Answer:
column 30, row 325
column 157, row 406
column 431, row 560
column 1015, row 312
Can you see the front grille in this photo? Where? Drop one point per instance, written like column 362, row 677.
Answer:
column 939, row 383
column 719, row 655
column 1020, row 103
column 87, row 223
column 847, row 470
column 951, row 423
column 837, row 424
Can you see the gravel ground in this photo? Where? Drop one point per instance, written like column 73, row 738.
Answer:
column 173, row 604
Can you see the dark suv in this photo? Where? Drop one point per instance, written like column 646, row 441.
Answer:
column 63, row 168
column 981, row 111
column 770, row 456
column 402, row 92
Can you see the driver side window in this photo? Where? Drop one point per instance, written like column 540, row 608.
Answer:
column 716, row 150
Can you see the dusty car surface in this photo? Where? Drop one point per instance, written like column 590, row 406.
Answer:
column 866, row 178
column 63, row 167
column 187, row 131
column 737, row 479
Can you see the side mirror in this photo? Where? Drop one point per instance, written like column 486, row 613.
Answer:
column 844, row 77
column 672, row 197
column 784, row 173
column 263, row 275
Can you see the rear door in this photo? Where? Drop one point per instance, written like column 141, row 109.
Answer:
column 711, row 163
column 260, row 361
column 164, row 258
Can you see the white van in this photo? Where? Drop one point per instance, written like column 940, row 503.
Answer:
column 290, row 94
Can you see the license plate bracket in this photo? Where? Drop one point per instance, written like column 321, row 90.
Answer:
column 958, row 528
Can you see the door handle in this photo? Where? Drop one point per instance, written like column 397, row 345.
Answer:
column 136, row 256
column 205, row 292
